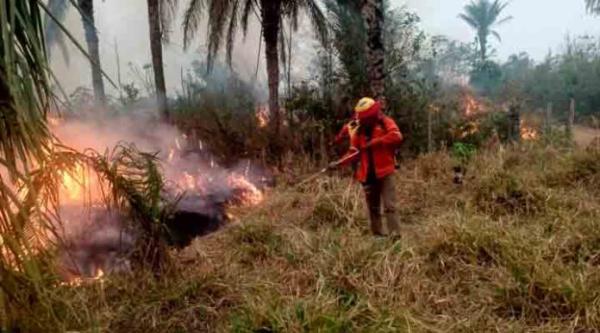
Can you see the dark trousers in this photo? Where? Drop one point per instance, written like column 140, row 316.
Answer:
column 381, row 192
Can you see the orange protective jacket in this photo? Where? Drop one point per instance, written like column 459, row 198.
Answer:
column 342, row 135
column 386, row 137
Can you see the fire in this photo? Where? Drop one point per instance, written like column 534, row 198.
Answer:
column 79, row 280
column 201, row 177
column 74, row 183
column 528, row 133
column 171, row 155
column 249, row 194
column 53, row 120
column 471, row 105
column 262, row 117
column 189, row 181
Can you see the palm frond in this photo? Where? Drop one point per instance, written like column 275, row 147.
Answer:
column 504, row 20
column 469, row 20
column 191, row 20
column 246, row 12
column 592, row 6
column 317, row 19
column 167, row 11
column 497, row 35
column 52, row 33
column 231, row 30
column 219, row 12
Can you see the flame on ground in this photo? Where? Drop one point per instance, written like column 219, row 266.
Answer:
column 248, row 193
column 528, row 133
column 262, row 117
column 472, row 106
column 79, row 280
column 80, row 185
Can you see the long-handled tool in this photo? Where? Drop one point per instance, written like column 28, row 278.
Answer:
column 332, row 165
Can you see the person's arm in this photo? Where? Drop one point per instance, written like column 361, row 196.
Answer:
column 393, row 137
column 353, row 155
column 342, row 135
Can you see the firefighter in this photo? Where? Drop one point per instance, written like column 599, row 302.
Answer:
column 375, row 137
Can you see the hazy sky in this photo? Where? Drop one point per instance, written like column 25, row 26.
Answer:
column 537, row 27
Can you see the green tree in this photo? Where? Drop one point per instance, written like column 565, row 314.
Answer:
column 225, row 17
column 86, row 8
column 483, row 16
column 58, row 10
column 160, row 15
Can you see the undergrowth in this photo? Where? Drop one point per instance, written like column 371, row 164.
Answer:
column 514, row 249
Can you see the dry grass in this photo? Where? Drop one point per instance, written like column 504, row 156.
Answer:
column 516, row 249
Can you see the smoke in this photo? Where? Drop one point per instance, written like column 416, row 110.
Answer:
column 123, row 33
column 97, row 240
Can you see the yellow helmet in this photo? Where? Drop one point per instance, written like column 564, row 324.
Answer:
column 367, row 107
column 364, row 104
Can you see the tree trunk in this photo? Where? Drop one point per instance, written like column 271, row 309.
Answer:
column 91, row 38
column 514, row 115
column 156, row 36
column 429, row 130
column 483, row 46
column 373, row 16
column 571, row 118
column 548, row 119
column 270, row 12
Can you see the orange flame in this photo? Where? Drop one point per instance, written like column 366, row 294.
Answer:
column 74, row 183
column 262, row 117
column 528, row 133
column 78, row 280
column 250, row 195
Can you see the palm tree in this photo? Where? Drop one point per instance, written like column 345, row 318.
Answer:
column 593, row 6
column 57, row 10
column 86, row 7
column 483, row 16
column 224, row 18
column 25, row 95
column 160, row 13
column 373, row 15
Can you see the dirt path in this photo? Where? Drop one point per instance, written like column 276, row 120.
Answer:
column 585, row 135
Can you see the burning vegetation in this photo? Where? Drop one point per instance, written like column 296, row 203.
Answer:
column 96, row 239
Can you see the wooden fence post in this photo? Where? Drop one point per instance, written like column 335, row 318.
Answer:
column 571, row 118
column 429, row 131
column 514, row 119
column 548, row 119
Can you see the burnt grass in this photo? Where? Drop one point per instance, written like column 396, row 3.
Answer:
column 516, row 248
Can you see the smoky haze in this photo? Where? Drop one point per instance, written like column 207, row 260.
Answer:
column 538, row 27
column 124, row 25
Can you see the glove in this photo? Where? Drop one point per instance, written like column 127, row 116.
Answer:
column 353, row 128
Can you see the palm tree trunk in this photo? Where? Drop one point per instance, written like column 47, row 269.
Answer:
column 156, row 36
column 91, row 38
column 270, row 12
column 373, row 15
column 483, row 46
